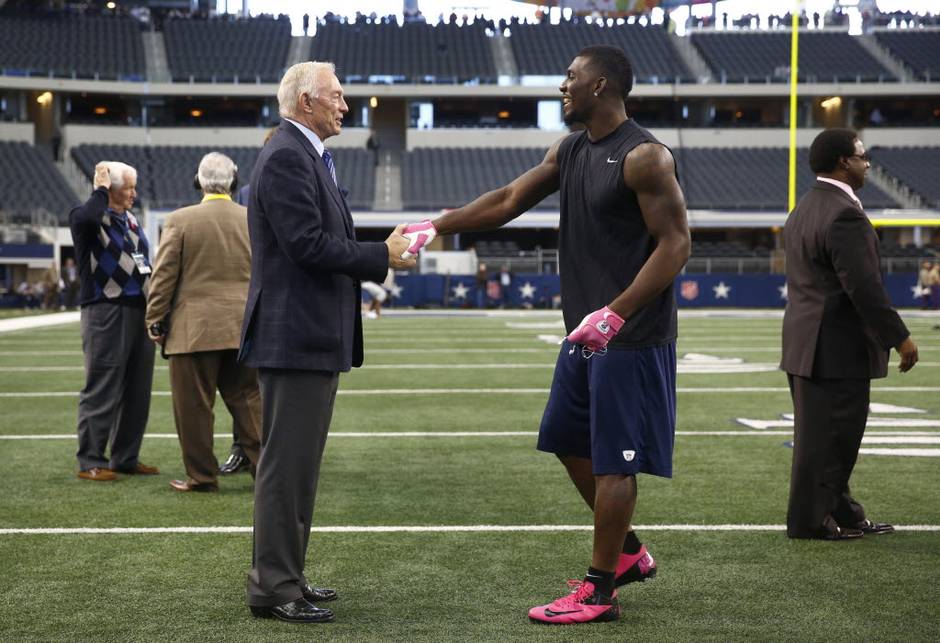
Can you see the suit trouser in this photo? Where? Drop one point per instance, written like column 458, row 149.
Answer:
column 297, row 408
column 115, row 403
column 194, row 378
column 830, row 417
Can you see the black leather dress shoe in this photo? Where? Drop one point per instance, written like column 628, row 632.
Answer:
column 843, row 533
column 299, row 611
column 235, row 463
column 874, row 528
column 318, row 594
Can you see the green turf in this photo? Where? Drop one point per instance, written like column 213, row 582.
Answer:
column 712, row 586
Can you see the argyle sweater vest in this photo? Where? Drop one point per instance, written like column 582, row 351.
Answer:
column 105, row 243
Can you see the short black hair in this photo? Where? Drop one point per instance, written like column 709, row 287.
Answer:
column 612, row 64
column 829, row 146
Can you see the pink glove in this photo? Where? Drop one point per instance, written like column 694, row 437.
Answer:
column 420, row 235
column 596, row 329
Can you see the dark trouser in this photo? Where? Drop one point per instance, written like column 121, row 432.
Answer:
column 297, row 407
column 115, row 402
column 830, row 417
column 194, row 378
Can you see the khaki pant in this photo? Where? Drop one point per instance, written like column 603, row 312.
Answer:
column 194, row 378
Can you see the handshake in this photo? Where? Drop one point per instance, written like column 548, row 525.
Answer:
column 406, row 240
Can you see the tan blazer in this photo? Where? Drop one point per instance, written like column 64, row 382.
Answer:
column 200, row 282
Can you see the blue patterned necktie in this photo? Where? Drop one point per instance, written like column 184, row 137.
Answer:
column 328, row 159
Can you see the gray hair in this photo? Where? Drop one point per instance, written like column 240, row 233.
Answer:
column 117, row 171
column 302, row 78
column 216, row 173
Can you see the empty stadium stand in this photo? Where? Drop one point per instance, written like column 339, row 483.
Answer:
column 547, row 49
column 915, row 167
column 66, row 46
column 447, row 177
column 413, row 52
column 29, row 180
column 751, row 179
column 919, row 50
column 165, row 173
column 225, row 51
column 759, row 57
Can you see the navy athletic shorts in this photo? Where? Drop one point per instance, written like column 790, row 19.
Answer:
column 617, row 409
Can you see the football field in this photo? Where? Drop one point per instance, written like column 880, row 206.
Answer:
column 437, row 520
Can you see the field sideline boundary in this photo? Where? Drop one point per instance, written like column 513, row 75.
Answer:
column 392, row 529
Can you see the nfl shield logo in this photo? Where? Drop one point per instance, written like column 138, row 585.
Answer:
column 688, row 290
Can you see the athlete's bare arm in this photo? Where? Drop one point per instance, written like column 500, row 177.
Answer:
column 499, row 207
column 649, row 170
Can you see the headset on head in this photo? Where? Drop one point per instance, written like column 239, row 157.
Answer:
column 232, row 187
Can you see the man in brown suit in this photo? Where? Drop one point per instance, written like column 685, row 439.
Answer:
column 838, row 329
column 197, row 300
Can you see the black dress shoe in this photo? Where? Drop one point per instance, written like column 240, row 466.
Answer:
column 299, row 611
column 235, row 463
column 843, row 533
column 318, row 594
column 874, row 528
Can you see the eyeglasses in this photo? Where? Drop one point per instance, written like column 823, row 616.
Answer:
column 865, row 157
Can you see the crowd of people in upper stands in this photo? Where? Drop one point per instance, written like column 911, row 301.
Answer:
column 154, row 17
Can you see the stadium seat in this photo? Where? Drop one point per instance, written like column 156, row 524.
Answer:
column 224, row 51
column 759, row 57
column 29, row 180
column 751, row 179
column 917, row 49
column 66, row 46
column 413, row 52
column 447, row 177
column 915, row 167
column 547, row 50
column 165, row 173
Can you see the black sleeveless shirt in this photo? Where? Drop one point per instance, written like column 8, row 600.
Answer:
column 603, row 241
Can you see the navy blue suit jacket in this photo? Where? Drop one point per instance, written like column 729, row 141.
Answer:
column 303, row 309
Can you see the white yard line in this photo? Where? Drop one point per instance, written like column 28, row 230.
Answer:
column 411, row 529
column 871, row 437
column 511, row 391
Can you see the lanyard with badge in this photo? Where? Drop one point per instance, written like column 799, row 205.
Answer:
column 139, row 258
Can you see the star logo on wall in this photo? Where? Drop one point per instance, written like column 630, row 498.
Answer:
column 527, row 290
column 396, row 291
column 460, row 291
column 721, row 290
column 783, row 291
column 919, row 291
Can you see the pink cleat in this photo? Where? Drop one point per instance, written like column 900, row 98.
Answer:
column 583, row 605
column 632, row 568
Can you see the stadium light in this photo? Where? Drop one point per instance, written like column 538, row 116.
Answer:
column 111, row 6
column 832, row 103
column 373, row 102
column 101, row 110
column 44, row 98
column 195, row 113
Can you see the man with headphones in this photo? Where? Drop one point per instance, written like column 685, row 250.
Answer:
column 197, row 300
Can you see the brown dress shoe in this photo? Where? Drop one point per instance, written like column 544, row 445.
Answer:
column 98, row 474
column 140, row 469
column 189, row 485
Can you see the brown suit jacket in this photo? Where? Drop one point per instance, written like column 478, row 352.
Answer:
column 200, row 282
column 839, row 322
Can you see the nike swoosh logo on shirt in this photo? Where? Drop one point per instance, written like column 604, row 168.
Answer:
column 610, row 160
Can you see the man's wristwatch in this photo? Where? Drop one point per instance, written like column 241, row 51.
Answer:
column 157, row 329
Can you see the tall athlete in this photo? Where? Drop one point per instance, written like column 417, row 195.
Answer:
column 623, row 238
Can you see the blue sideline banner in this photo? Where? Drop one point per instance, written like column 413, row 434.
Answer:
column 543, row 291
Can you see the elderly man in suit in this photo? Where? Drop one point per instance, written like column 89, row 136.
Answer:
column 197, row 299
column 838, row 329
column 114, row 264
column 302, row 327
